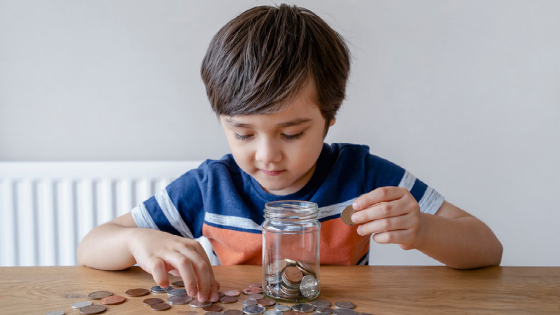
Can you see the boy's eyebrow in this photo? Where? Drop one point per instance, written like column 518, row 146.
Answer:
column 290, row 123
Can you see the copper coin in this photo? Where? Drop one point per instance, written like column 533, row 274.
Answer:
column 346, row 215
column 306, row 267
column 93, row 309
column 228, row 299
column 344, row 305
column 344, row 311
column 266, row 302
column 233, row 312
column 220, row 294
column 320, row 303
column 293, row 274
column 326, row 310
column 255, row 296
column 212, row 308
column 137, row 292
column 98, row 295
column 255, row 284
column 152, row 301
column 179, row 299
column 161, row 307
column 250, row 291
column 178, row 284
column 232, row 293
column 294, row 313
column 113, row 300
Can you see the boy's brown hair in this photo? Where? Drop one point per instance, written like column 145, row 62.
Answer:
column 259, row 61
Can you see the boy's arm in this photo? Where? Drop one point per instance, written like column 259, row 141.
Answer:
column 451, row 236
column 458, row 239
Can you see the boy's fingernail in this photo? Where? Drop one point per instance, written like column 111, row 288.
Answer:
column 356, row 205
column 215, row 297
column 354, row 218
column 359, row 230
column 202, row 298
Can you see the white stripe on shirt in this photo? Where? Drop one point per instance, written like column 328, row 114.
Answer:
column 431, row 201
column 227, row 220
column 171, row 213
column 408, row 180
column 143, row 218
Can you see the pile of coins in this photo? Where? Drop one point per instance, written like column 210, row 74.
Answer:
column 291, row 280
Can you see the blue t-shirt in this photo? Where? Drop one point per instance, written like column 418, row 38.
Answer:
column 220, row 201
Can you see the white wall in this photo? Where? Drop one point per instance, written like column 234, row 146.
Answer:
column 464, row 94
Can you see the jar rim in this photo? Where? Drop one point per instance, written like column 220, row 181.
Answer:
column 291, row 209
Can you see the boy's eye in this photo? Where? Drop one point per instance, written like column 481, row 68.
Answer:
column 287, row 137
column 240, row 137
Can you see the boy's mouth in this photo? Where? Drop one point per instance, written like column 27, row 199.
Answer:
column 271, row 173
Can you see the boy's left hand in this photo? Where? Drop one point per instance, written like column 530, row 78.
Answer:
column 392, row 214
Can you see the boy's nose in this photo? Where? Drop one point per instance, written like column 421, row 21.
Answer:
column 268, row 152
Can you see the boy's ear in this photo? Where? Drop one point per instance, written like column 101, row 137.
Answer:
column 332, row 122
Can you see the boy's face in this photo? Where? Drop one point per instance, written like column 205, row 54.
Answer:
column 279, row 150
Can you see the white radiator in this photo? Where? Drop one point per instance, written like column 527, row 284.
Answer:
column 47, row 208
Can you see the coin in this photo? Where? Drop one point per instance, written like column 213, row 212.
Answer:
column 137, row 292
column 56, row 313
column 344, row 305
column 320, row 303
column 306, row 268
column 152, row 301
column 221, row 294
column 93, row 309
column 233, row 312
column 232, row 293
column 253, row 309
column 160, row 307
column 282, row 307
column 346, row 215
column 293, row 274
column 255, row 296
column 177, row 292
column 213, row 313
column 309, row 286
column 113, row 300
column 179, row 299
column 158, row 289
column 277, row 266
column 344, row 311
column 273, row 313
column 327, row 310
column 212, row 308
column 178, row 284
column 197, row 303
column 228, row 299
column 294, row 313
column 81, row 304
column 253, row 290
column 321, row 313
column 266, row 302
column 249, row 302
column 303, row 307
column 98, row 295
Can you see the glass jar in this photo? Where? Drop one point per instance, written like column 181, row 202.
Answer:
column 291, row 254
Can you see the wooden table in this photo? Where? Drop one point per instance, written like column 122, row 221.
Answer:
column 374, row 289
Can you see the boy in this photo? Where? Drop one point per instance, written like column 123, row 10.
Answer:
column 275, row 77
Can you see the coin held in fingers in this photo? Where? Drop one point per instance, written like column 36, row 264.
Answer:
column 346, row 215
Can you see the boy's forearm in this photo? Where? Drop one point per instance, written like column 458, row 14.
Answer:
column 105, row 247
column 461, row 243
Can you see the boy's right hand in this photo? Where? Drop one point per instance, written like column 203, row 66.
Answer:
column 159, row 252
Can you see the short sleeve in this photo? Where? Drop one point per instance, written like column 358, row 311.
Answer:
column 382, row 173
column 178, row 209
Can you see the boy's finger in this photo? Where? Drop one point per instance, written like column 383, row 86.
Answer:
column 380, row 211
column 213, row 295
column 387, row 224
column 156, row 267
column 203, row 272
column 382, row 194
column 393, row 237
column 185, row 268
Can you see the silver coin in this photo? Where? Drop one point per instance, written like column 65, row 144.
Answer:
column 253, row 309
column 320, row 303
column 158, row 289
column 81, row 304
column 327, row 310
column 344, row 311
column 176, row 292
column 56, row 313
column 249, row 302
column 309, row 286
column 273, row 313
column 344, row 305
column 303, row 307
column 196, row 303
column 282, row 308
column 179, row 299
column 255, row 296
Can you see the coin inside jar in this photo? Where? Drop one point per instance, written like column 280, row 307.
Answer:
column 137, row 292
column 344, row 305
column 93, row 309
column 228, row 299
column 293, row 274
column 160, row 307
column 179, row 299
column 152, row 301
column 113, row 300
column 98, row 295
column 212, row 308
